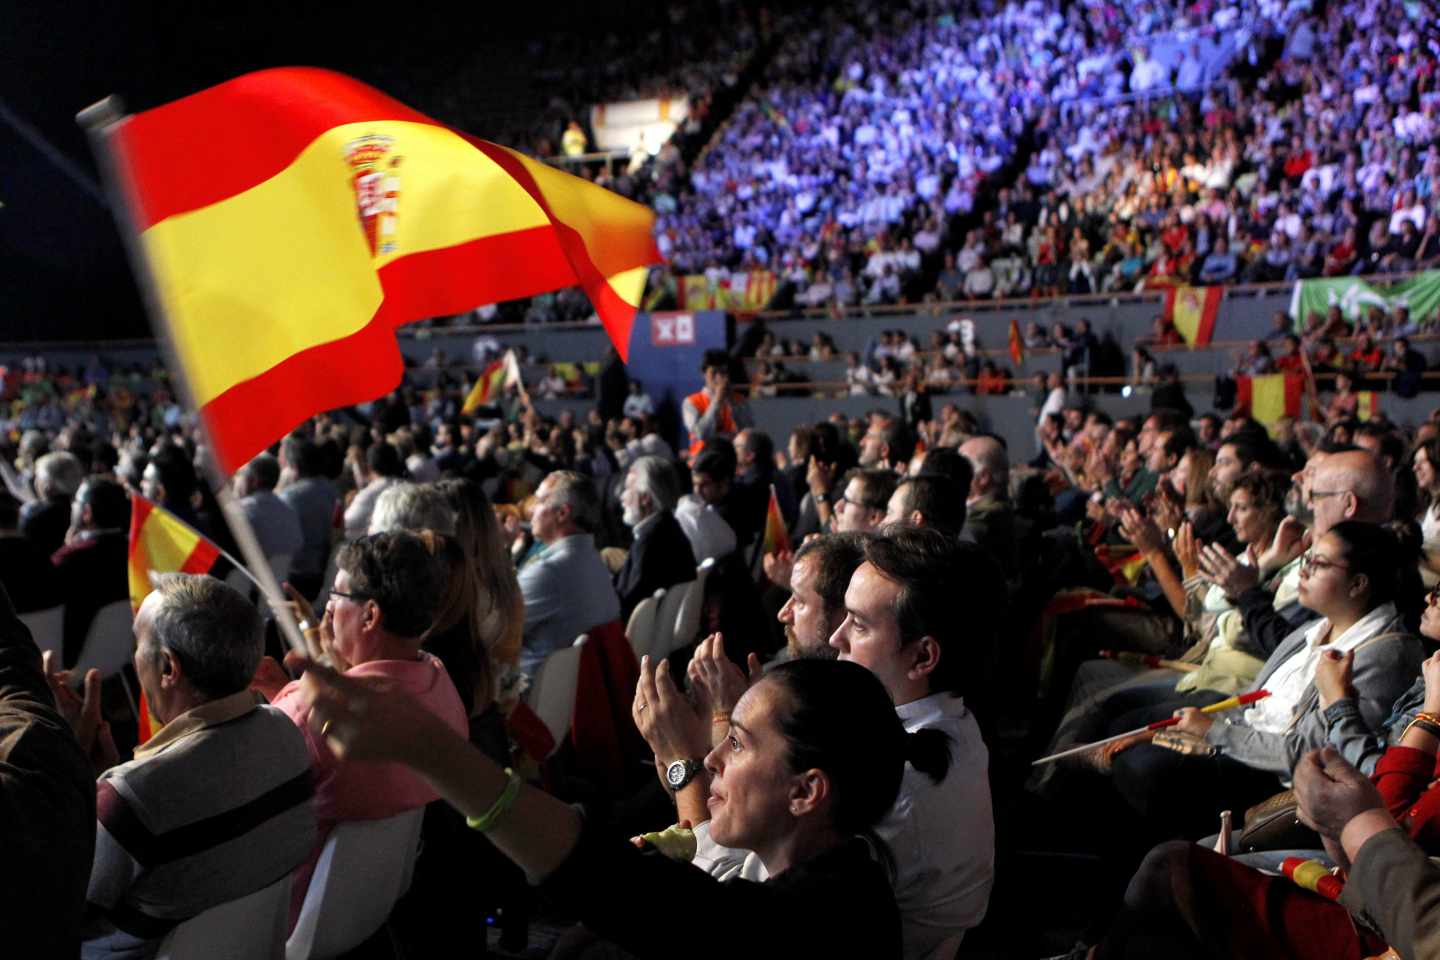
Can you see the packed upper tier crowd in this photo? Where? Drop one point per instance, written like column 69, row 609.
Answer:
column 1155, row 145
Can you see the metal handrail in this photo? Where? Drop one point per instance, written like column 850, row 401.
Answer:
column 947, row 307
column 1012, row 383
column 565, row 160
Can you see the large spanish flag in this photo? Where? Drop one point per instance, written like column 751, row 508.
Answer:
column 293, row 218
column 160, row 542
column 1193, row 310
column 1270, row 397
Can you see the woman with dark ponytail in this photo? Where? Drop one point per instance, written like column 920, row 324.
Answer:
column 818, row 695
column 811, row 758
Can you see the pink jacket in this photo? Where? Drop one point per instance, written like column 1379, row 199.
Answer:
column 370, row 791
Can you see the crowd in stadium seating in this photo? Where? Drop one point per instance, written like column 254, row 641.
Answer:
column 848, row 172
column 856, row 133
column 591, row 516
column 1315, row 172
column 990, row 605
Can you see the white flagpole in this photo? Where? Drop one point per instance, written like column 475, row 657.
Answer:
column 99, row 121
column 513, row 363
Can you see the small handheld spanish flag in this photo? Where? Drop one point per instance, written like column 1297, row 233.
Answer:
column 1312, row 875
column 492, row 382
column 161, row 542
column 777, row 538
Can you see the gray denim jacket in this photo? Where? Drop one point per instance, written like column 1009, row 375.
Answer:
column 1363, row 746
column 1386, row 663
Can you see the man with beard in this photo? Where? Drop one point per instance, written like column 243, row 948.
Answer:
column 897, row 619
column 1237, row 456
column 661, row 556
column 821, row 572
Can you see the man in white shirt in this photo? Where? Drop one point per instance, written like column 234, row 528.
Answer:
column 638, row 404
column 900, row 623
column 709, row 535
column 1054, row 399
column 1148, row 73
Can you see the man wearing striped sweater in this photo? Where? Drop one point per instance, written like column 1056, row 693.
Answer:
column 218, row 804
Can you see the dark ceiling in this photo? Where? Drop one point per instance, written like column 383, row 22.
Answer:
column 62, row 268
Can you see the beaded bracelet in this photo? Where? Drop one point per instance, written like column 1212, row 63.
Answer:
column 1427, row 722
column 486, row 821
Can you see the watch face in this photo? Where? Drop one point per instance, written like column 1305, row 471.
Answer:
column 677, row 774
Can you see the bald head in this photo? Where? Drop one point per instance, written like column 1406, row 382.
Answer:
column 991, row 465
column 1353, row 485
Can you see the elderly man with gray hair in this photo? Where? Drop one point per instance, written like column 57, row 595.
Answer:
column 567, row 587
column 661, row 555
column 413, row 506
column 215, row 806
column 44, row 520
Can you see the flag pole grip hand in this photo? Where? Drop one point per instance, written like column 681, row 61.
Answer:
column 311, row 627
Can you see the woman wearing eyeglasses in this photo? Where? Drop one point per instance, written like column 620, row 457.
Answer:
column 1355, row 578
column 1187, row 901
column 1223, row 657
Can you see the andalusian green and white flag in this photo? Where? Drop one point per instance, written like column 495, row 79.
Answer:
column 1355, row 296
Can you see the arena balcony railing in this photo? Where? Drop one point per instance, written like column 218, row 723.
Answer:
column 937, row 309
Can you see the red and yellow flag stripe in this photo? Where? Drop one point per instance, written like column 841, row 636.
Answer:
column 1193, row 311
column 293, row 218
column 777, row 538
column 1271, row 396
column 496, row 376
column 160, row 542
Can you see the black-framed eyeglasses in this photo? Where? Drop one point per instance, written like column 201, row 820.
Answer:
column 356, row 597
column 1310, row 564
column 860, row 503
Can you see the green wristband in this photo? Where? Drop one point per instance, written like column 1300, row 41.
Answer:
column 486, row 821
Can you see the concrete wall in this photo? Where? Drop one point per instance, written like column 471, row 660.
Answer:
column 1012, row 417
column 1243, row 315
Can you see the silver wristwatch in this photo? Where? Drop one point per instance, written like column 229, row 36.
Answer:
column 680, row 773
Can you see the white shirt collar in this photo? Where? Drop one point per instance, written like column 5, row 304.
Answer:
column 942, row 704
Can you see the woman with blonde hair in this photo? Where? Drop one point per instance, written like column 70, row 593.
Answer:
column 1200, row 502
column 496, row 610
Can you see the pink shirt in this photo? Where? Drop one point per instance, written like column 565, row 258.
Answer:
column 351, row 790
